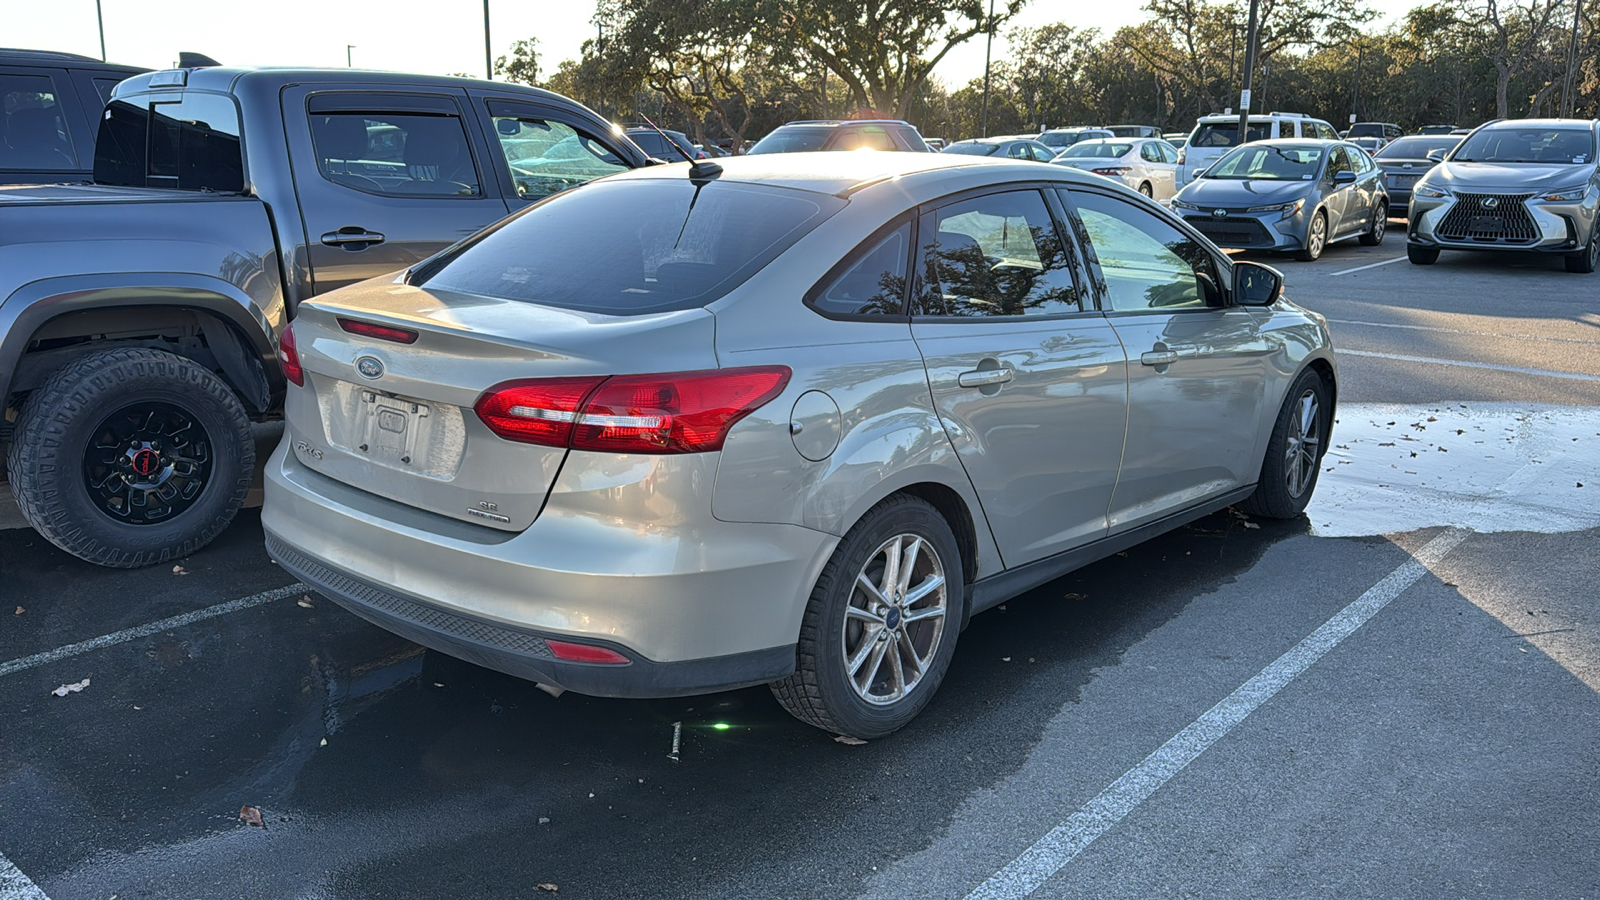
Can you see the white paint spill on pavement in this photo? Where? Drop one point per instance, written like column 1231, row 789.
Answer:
column 1023, row 875
column 1489, row 467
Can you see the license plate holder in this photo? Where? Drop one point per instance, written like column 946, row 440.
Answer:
column 391, row 427
column 1486, row 224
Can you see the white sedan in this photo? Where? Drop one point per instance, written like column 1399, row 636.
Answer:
column 1148, row 165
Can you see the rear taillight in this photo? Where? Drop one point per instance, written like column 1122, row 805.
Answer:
column 380, row 332
column 289, row 356
column 536, row 411
column 677, row 412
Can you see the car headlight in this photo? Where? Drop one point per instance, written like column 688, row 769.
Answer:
column 1288, row 209
column 1184, row 204
column 1428, row 190
column 1567, row 194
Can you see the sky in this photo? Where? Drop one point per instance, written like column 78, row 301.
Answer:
column 430, row 36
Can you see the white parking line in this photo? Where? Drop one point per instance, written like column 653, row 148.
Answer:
column 1368, row 266
column 1519, row 370
column 1023, row 875
column 16, row 886
column 1442, row 329
column 139, row 631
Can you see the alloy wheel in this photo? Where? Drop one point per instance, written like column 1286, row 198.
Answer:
column 895, row 620
column 1380, row 222
column 1318, row 235
column 1304, row 443
column 147, row 462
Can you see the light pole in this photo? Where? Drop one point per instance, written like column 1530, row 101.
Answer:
column 347, row 63
column 1249, row 69
column 488, row 54
column 987, row 48
column 101, row 19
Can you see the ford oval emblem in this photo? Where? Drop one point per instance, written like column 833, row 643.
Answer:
column 369, row 367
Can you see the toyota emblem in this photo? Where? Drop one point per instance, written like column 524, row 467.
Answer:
column 1220, row 213
column 369, row 367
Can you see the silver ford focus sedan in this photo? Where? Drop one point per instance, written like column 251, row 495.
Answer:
column 786, row 419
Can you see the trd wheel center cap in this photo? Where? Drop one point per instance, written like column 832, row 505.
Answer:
column 144, row 466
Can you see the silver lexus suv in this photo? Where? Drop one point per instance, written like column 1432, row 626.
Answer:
column 1515, row 184
column 784, row 419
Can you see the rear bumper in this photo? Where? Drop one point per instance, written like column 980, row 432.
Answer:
column 526, row 653
column 695, row 604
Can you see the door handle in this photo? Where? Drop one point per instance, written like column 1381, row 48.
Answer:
column 1159, row 357
column 984, row 377
column 352, row 234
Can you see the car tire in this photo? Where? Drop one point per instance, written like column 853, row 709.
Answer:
column 843, row 682
column 1422, row 256
column 1147, row 190
column 1373, row 236
column 131, row 457
column 1586, row 260
column 1294, row 452
column 1316, row 238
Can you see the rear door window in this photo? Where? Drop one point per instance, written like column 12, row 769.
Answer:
column 1226, row 134
column 632, row 247
column 34, row 132
column 410, row 153
column 995, row 255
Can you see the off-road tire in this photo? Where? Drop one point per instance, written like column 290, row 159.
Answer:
column 1422, row 256
column 57, row 422
column 1273, row 498
column 818, row 693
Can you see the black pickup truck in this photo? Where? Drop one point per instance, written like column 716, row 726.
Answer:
column 50, row 105
column 139, row 314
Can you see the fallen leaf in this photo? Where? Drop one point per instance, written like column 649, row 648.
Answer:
column 548, row 886
column 66, row 689
column 324, row 743
column 1005, row 659
column 1387, row 444
column 544, row 820
column 1074, row 596
column 550, row 689
column 847, row 739
column 179, row 570
column 20, row 610
column 1432, row 419
column 1250, row 525
column 249, row 815
column 304, row 602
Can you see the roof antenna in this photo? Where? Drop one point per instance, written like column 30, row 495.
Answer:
column 700, row 170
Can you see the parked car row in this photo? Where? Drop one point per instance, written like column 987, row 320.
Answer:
column 561, row 409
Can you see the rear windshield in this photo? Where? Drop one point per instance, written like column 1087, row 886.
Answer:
column 1096, row 149
column 1068, row 138
column 1226, row 134
column 792, row 140
column 632, row 247
column 188, row 141
column 1365, row 129
column 1416, row 147
column 972, row 149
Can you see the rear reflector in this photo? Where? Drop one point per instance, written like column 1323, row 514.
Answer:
column 676, row 412
column 586, row 653
column 378, row 332
column 289, row 357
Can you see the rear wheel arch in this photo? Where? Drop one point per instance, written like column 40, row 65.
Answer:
column 954, row 509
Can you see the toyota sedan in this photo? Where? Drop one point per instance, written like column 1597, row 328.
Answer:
column 786, row 420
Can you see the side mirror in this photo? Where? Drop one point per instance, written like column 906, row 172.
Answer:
column 1255, row 284
column 1344, row 178
column 1201, row 173
column 1436, row 156
column 508, row 127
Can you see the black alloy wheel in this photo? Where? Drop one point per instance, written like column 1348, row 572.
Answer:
column 147, row 462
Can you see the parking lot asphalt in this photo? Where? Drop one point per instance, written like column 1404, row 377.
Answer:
column 1396, row 695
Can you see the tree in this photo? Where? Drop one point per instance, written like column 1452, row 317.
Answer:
column 883, row 50
column 523, row 65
